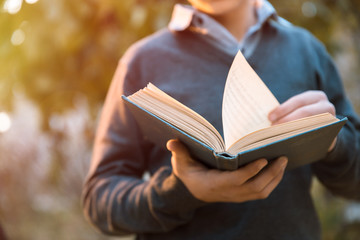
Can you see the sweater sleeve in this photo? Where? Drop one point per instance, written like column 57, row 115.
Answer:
column 115, row 197
column 340, row 170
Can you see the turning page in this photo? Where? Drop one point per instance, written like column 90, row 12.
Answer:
column 246, row 102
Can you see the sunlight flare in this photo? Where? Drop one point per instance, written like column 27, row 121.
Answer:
column 12, row 6
column 17, row 37
column 31, row 1
column 5, row 122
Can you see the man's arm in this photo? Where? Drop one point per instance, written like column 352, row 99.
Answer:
column 115, row 197
column 339, row 171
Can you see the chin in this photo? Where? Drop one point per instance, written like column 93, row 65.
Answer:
column 215, row 7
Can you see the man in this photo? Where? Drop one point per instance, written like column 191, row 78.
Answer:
column 183, row 199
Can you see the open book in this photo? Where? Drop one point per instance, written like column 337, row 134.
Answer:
column 248, row 134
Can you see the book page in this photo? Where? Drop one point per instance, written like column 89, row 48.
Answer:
column 246, row 102
column 172, row 111
column 281, row 131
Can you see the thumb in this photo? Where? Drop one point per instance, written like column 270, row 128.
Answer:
column 181, row 161
column 178, row 150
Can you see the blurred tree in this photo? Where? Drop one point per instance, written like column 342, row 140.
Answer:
column 323, row 18
column 58, row 53
column 55, row 51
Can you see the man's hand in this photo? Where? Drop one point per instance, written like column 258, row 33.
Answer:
column 303, row 105
column 250, row 182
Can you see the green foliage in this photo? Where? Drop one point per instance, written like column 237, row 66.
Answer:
column 70, row 48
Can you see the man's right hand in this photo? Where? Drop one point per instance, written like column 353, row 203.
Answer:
column 250, row 182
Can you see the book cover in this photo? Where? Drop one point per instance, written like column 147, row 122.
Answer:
column 301, row 149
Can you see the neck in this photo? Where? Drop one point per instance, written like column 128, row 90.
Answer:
column 239, row 20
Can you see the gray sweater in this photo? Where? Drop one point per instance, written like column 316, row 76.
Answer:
column 118, row 201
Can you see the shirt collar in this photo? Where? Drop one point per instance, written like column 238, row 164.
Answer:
column 185, row 17
column 264, row 13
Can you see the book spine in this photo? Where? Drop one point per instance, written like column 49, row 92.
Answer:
column 226, row 162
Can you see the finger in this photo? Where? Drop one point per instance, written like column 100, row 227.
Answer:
column 307, row 111
column 270, row 187
column 249, row 171
column 295, row 102
column 230, row 181
column 258, row 184
column 238, row 177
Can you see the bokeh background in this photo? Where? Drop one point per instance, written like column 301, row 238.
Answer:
column 57, row 58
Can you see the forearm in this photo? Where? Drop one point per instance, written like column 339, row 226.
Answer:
column 121, row 205
column 340, row 170
column 115, row 197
